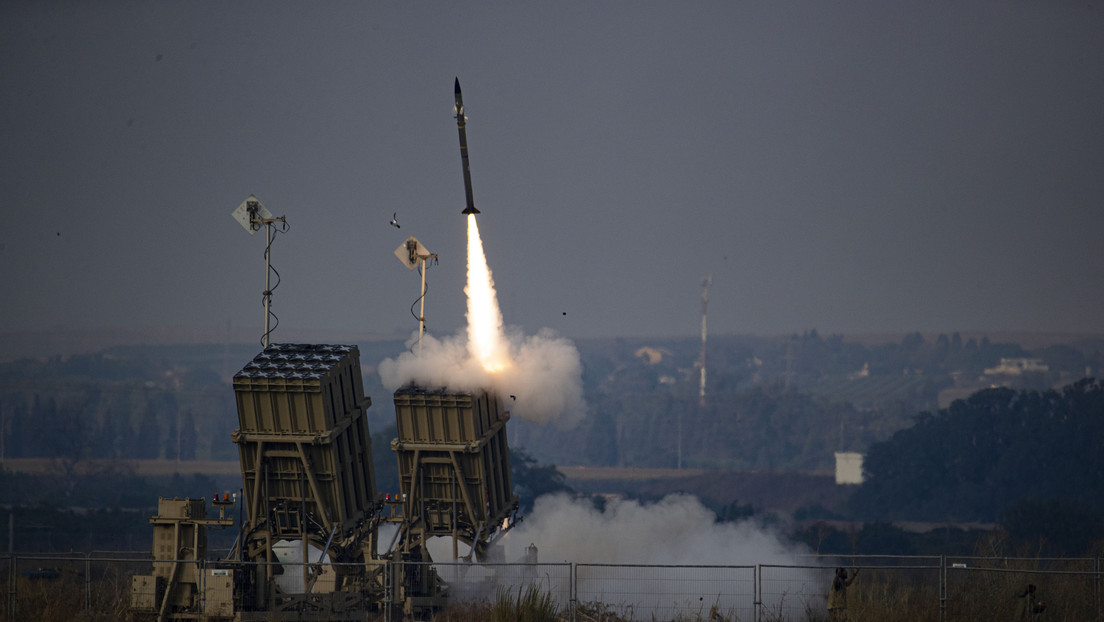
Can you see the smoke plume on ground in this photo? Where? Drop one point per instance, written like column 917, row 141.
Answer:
column 676, row 530
column 668, row 560
column 545, row 378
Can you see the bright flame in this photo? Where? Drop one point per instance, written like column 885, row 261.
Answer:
column 486, row 341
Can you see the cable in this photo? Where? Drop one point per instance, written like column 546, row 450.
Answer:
column 419, row 298
column 413, row 304
column 266, row 296
column 425, row 284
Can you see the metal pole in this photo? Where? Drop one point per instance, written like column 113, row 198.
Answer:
column 942, row 588
column 573, row 597
column 758, row 604
column 268, row 272
column 1096, row 587
column 88, row 582
column 421, row 312
column 12, row 565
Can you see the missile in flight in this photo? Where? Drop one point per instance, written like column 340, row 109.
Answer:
column 470, row 209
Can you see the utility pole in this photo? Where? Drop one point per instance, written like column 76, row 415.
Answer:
column 706, row 282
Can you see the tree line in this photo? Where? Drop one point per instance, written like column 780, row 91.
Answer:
column 783, row 403
column 983, row 455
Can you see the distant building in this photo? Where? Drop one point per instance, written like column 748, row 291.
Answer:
column 1017, row 367
column 862, row 373
column 849, row 467
column 652, row 356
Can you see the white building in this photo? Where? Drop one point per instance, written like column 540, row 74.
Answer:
column 1017, row 366
column 849, row 467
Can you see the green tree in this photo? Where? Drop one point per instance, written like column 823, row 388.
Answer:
column 147, row 442
column 532, row 480
column 1058, row 526
column 982, row 454
column 187, row 435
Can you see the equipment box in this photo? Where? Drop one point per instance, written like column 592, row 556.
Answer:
column 146, row 592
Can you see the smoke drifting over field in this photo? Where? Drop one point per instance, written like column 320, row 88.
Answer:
column 675, row 530
column 666, row 560
column 545, row 377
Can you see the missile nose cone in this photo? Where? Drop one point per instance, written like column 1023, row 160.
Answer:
column 456, row 90
column 470, row 210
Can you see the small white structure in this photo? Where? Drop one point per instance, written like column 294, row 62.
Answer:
column 849, row 467
column 1017, row 367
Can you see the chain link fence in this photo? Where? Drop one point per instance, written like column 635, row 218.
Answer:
column 102, row 587
column 57, row 587
column 1068, row 589
column 489, row 582
column 654, row 592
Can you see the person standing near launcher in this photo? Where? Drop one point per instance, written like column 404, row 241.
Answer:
column 1030, row 605
column 837, row 595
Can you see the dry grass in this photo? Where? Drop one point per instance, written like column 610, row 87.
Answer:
column 63, row 600
column 530, row 605
column 879, row 595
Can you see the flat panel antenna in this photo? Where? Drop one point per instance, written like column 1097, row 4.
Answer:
column 252, row 215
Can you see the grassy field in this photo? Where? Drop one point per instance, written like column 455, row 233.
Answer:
column 884, row 595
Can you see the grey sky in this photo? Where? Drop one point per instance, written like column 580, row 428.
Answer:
column 850, row 167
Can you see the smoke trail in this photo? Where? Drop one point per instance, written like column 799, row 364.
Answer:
column 485, row 337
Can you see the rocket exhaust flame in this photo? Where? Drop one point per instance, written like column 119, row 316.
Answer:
column 486, row 339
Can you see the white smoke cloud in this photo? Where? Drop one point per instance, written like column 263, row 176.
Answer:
column 668, row 556
column 676, row 530
column 546, row 378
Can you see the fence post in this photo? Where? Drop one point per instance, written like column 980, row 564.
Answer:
column 88, row 582
column 11, row 586
column 757, row 586
column 573, row 590
column 942, row 588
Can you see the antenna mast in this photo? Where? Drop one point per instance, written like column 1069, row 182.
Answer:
column 251, row 214
column 413, row 255
column 706, row 282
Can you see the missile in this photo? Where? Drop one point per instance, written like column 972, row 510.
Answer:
column 470, row 209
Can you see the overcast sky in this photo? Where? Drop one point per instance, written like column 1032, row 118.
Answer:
column 852, row 167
